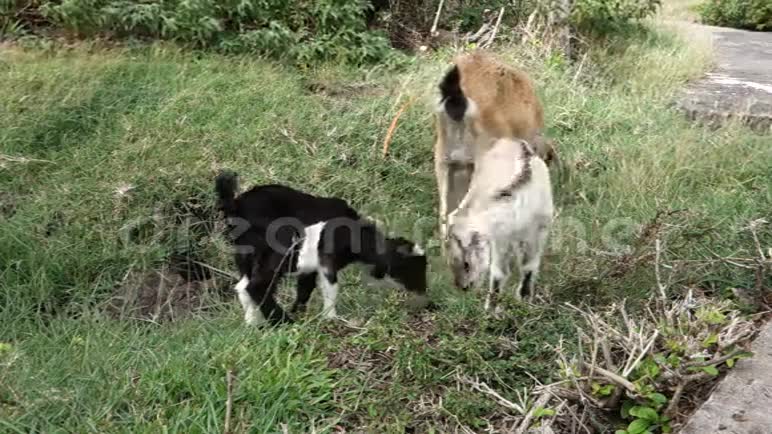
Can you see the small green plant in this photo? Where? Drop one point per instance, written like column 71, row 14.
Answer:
column 740, row 14
column 642, row 365
column 644, row 420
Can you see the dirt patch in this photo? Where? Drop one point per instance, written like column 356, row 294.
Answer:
column 7, row 205
column 159, row 296
column 359, row 358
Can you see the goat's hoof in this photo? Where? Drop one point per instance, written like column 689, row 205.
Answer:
column 330, row 316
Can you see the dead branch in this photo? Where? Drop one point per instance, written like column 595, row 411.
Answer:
column 627, row 371
column 229, row 402
column 437, row 17
column 616, row 378
column 714, row 361
column 526, row 422
column 484, row 388
column 5, row 159
column 660, row 285
column 673, row 404
column 752, row 227
column 495, row 29
column 479, row 33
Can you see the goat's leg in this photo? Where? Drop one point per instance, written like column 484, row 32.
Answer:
column 442, row 171
column 252, row 314
column 261, row 290
column 498, row 272
column 305, row 286
column 530, row 262
column 266, row 275
column 460, row 178
column 328, row 281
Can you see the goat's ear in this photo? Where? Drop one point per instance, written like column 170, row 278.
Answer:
column 418, row 251
column 404, row 250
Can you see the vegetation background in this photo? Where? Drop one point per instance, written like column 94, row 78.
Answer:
column 116, row 310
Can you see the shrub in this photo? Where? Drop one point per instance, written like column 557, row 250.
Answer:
column 598, row 17
column 11, row 24
column 740, row 14
column 303, row 31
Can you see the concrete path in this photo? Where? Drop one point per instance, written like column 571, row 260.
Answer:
column 742, row 402
column 740, row 86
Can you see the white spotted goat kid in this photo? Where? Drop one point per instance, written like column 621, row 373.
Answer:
column 506, row 213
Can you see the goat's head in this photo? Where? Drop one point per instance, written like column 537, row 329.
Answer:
column 469, row 254
column 404, row 264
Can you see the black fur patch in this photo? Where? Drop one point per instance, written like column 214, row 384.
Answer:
column 526, row 284
column 523, row 178
column 452, row 96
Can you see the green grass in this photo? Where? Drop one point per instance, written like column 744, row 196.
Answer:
column 685, row 10
column 81, row 123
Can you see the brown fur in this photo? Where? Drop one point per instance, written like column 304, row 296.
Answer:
column 506, row 107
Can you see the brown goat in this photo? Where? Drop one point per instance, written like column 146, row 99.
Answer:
column 482, row 100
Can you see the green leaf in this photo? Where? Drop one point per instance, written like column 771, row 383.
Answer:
column 710, row 340
column 710, row 370
column 712, row 317
column 625, row 411
column 646, row 413
column 638, row 426
column 658, row 398
column 595, row 387
column 621, row 431
column 730, row 363
column 541, row 412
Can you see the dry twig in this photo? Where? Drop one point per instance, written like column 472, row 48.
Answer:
column 660, row 285
column 229, row 403
column 539, row 404
column 495, row 29
column 484, row 388
column 437, row 17
column 393, row 126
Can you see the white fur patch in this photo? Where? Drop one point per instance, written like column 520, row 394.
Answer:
column 440, row 107
column 461, row 154
column 472, row 111
column 329, row 295
column 308, row 258
column 252, row 313
column 417, row 250
column 242, row 285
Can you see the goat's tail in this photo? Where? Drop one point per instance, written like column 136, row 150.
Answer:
column 453, row 99
column 227, row 185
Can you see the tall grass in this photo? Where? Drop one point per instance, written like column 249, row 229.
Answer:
column 79, row 126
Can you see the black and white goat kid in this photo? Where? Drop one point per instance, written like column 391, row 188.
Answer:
column 277, row 230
